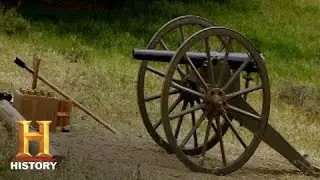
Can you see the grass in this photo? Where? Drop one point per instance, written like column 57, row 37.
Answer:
column 89, row 54
column 285, row 31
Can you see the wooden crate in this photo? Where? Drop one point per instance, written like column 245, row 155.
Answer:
column 63, row 114
column 35, row 108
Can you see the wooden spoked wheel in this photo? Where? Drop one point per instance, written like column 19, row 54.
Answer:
column 151, row 75
column 220, row 94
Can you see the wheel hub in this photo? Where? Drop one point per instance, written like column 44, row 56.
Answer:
column 215, row 100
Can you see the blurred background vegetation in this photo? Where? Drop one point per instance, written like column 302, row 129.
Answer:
column 286, row 31
column 105, row 32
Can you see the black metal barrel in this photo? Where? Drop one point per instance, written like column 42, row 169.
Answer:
column 234, row 59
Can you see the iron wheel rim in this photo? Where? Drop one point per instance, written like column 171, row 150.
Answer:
column 244, row 157
column 155, row 40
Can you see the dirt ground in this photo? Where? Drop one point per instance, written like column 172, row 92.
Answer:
column 102, row 155
column 95, row 153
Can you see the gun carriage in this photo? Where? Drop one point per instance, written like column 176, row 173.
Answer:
column 203, row 93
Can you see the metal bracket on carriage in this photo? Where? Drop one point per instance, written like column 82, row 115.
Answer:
column 307, row 168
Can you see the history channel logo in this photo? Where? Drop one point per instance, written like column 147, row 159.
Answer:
column 24, row 160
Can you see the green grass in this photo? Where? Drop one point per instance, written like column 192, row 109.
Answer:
column 89, row 54
column 285, row 31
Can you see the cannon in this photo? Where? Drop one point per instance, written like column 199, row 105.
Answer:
column 203, row 94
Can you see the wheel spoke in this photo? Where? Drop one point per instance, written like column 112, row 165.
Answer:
column 182, row 34
column 157, row 96
column 226, row 117
column 243, row 91
column 221, row 47
column 155, row 71
column 176, row 133
column 187, row 69
column 194, row 128
column 211, row 73
column 223, row 153
column 247, row 84
column 155, row 126
column 223, row 44
column 175, row 104
column 171, row 108
column 182, row 88
column 198, row 101
column 187, row 111
column 164, row 46
column 181, row 73
column 196, row 72
column 214, row 128
column 236, row 74
column 222, row 71
column 243, row 112
column 205, row 141
column 193, row 119
column 159, row 73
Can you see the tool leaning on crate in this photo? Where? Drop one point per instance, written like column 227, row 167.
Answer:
column 38, row 104
column 62, row 105
column 210, row 89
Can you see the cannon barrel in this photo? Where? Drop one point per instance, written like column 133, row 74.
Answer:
column 234, row 59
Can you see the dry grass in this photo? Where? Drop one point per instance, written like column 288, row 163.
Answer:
column 300, row 96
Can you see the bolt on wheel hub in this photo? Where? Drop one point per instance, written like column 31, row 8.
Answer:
column 215, row 100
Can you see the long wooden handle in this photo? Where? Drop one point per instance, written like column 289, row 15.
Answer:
column 36, row 65
column 20, row 63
